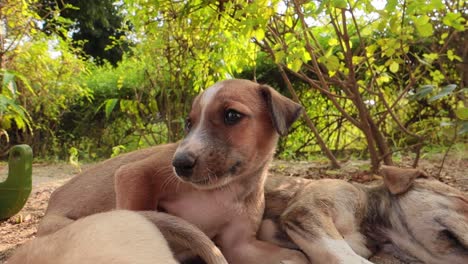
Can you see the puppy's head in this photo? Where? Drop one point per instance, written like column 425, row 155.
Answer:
column 231, row 132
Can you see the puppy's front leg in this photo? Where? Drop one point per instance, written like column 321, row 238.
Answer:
column 133, row 188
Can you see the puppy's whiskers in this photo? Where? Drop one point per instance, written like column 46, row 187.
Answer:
column 167, row 181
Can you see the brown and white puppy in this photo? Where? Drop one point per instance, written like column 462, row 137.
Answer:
column 118, row 237
column 213, row 179
column 333, row 221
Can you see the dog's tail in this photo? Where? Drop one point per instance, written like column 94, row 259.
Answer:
column 180, row 232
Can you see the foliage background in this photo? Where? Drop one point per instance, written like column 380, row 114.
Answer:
column 378, row 79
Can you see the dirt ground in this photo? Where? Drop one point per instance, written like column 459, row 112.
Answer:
column 47, row 177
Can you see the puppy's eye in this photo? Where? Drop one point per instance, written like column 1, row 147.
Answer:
column 231, row 117
column 188, row 124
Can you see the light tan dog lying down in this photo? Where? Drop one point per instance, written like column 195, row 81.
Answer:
column 333, row 221
column 116, row 237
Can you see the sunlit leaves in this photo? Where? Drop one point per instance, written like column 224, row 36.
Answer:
column 437, row 76
column 391, row 6
column 13, row 113
column 452, row 56
column 454, row 20
column 423, row 26
column 430, row 57
column 383, row 79
column 109, row 106
column 331, row 62
column 181, row 47
column 339, row 4
column 333, row 42
column 259, row 34
column 295, row 65
column 394, row 66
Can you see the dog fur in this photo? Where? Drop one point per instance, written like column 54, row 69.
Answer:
column 333, row 221
column 92, row 192
column 213, row 179
column 118, row 237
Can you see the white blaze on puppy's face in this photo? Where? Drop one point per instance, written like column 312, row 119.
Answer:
column 209, row 94
column 206, row 99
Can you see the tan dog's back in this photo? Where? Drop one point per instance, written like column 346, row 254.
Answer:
column 90, row 192
column 117, row 237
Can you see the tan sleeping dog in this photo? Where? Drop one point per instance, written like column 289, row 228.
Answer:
column 220, row 169
column 117, row 237
column 333, row 221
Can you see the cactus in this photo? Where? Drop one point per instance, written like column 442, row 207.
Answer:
column 15, row 190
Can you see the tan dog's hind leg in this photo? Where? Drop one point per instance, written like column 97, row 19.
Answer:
column 317, row 236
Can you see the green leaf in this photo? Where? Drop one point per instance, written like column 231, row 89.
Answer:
column 391, row 5
column 394, row 66
column 333, row 42
column 295, row 65
column 423, row 26
column 462, row 113
column 332, row 62
column 454, row 20
column 279, row 56
column 444, row 92
column 430, row 57
column 340, row 4
column 422, row 92
column 451, row 56
column 259, row 34
column 109, row 106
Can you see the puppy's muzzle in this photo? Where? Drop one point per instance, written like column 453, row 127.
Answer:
column 184, row 163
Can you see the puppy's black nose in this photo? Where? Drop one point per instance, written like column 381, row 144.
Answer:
column 183, row 164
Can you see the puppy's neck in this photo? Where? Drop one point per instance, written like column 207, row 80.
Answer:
column 253, row 184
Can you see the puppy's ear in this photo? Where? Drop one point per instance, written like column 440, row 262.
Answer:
column 399, row 180
column 283, row 111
